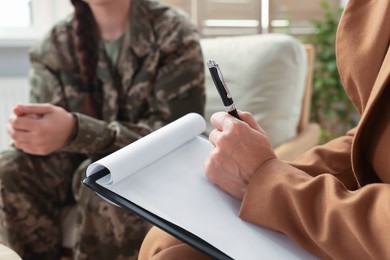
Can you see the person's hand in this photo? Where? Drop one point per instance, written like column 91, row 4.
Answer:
column 240, row 148
column 40, row 129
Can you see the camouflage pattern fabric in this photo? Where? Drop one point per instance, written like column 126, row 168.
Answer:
column 159, row 77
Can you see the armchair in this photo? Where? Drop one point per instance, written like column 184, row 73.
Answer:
column 269, row 75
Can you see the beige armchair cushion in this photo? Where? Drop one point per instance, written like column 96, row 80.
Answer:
column 266, row 76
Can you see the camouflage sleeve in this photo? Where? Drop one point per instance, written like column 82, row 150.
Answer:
column 45, row 85
column 91, row 136
column 97, row 138
column 181, row 73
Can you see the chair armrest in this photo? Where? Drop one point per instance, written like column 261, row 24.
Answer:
column 306, row 139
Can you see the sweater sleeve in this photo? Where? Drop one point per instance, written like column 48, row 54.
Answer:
column 333, row 157
column 320, row 213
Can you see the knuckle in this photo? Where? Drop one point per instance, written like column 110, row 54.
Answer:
column 237, row 127
column 221, row 139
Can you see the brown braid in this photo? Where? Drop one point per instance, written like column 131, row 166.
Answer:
column 85, row 35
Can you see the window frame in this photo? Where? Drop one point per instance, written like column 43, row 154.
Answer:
column 45, row 13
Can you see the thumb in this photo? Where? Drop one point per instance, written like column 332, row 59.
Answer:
column 27, row 109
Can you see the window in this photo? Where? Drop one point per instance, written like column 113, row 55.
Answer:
column 24, row 21
column 15, row 14
column 234, row 17
column 222, row 17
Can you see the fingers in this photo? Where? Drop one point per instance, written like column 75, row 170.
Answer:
column 213, row 136
column 225, row 134
column 20, row 136
column 222, row 120
column 21, row 139
column 37, row 109
column 10, row 130
column 250, row 120
column 23, row 123
column 26, row 141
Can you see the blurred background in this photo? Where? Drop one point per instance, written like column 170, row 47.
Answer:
column 24, row 22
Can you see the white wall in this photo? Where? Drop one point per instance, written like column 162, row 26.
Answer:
column 14, row 62
column 14, row 46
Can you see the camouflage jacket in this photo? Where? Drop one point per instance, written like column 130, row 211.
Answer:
column 160, row 75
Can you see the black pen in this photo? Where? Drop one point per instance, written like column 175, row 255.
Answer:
column 223, row 90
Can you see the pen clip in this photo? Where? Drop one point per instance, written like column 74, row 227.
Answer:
column 213, row 64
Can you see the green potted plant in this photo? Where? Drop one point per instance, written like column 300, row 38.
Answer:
column 331, row 107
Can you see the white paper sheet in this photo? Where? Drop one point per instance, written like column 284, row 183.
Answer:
column 175, row 188
column 150, row 148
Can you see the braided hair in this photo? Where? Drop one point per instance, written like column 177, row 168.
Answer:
column 85, row 37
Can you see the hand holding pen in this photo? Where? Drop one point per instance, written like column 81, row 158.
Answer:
column 223, row 90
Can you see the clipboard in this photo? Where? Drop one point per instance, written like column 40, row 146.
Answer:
column 160, row 178
column 163, row 224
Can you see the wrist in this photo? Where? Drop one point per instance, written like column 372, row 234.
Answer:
column 74, row 130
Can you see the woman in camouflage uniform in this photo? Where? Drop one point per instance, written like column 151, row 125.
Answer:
column 103, row 78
